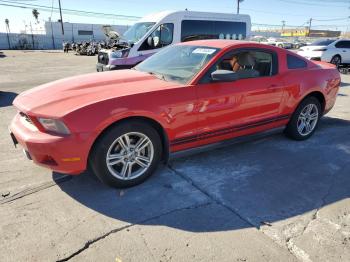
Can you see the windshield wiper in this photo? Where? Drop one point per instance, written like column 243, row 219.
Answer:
column 159, row 76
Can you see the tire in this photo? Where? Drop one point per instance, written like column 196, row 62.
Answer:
column 296, row 46
column 294, row 128
column 116, row 174
column 336, row 60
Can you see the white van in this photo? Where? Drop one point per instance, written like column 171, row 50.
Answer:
column 156, row 31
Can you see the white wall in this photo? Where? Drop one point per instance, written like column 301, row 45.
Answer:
column 48, row 41
column 71, row 31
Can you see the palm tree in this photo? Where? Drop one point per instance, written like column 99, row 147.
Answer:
column 35, row 14
column 7, row 22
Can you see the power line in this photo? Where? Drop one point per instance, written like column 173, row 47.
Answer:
column 67, row 11
column 315, row 4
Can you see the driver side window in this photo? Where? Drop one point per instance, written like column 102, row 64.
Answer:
column 245, row 64
column 160, row 37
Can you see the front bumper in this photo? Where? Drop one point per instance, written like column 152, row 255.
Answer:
column 64, row 154
column 101, row 67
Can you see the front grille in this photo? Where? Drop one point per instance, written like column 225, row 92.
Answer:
column 26, row 117
column 103, row 58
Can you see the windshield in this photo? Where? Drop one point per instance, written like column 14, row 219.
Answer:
column 323, row 42
column 178, row 63
column 137, row 31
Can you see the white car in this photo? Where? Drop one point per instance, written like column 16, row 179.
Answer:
column 335, row 51
column 273, row 41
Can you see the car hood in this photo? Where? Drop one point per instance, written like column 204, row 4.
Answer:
column 61, row 97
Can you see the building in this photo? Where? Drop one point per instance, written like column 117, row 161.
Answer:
column 311, row 33
column 75, row 32
column 50, row 36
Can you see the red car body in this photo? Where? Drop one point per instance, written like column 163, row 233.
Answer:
column 187, row 115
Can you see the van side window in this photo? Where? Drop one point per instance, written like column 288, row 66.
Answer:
column 160, row 37
column 199, row 29
column 294, row 62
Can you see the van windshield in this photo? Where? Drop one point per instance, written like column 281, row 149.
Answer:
column 137, row 31
column 179, row 63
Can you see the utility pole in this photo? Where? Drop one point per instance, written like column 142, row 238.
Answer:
column 59, row 4
column 238, row 1
column 53, row 38
column 310, row 21
column 283, row 25
column 31, row 31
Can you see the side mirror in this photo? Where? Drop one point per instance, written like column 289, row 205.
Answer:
column 224, row 76
column 150, row 41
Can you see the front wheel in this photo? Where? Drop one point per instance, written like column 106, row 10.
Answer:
column 126, row 154
column 305, row 119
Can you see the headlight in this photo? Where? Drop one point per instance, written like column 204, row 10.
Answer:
column 120, row 53
column 54, row 125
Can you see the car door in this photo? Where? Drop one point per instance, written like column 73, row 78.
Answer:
column 250, row 103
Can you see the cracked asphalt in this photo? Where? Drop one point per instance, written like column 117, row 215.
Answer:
column 269, row 199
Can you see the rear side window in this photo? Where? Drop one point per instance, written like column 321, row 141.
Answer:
column 343, row 44
column 200, row 29
column 294, row 62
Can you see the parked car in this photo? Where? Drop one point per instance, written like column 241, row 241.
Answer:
column 273, row 41
column 122, row 124
column 335, row 51
column 156, row 31
column 282, row 43
column 297, row 44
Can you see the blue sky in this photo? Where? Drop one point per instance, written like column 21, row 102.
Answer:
column 294, row 12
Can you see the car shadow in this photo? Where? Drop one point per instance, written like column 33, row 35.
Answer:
column 2, row 55
column 6, row 98
column 270, row 179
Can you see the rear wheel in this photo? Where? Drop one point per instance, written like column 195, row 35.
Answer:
column 336, row 60
column 126, row 154
column 305, row 119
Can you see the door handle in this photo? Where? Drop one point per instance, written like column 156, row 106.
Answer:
column 272, row 86
column 344, row 51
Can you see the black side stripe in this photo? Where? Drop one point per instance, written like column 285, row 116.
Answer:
column 227, row 130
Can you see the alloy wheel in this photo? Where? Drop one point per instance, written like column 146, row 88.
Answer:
column 130, row 155
column 307, row 119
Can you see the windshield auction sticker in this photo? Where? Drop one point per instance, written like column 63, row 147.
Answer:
column 205, row 51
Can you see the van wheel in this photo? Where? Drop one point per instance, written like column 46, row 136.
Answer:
column 126, row 154
column 305, row 119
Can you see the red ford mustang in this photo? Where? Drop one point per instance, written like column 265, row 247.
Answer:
column 123, row 123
